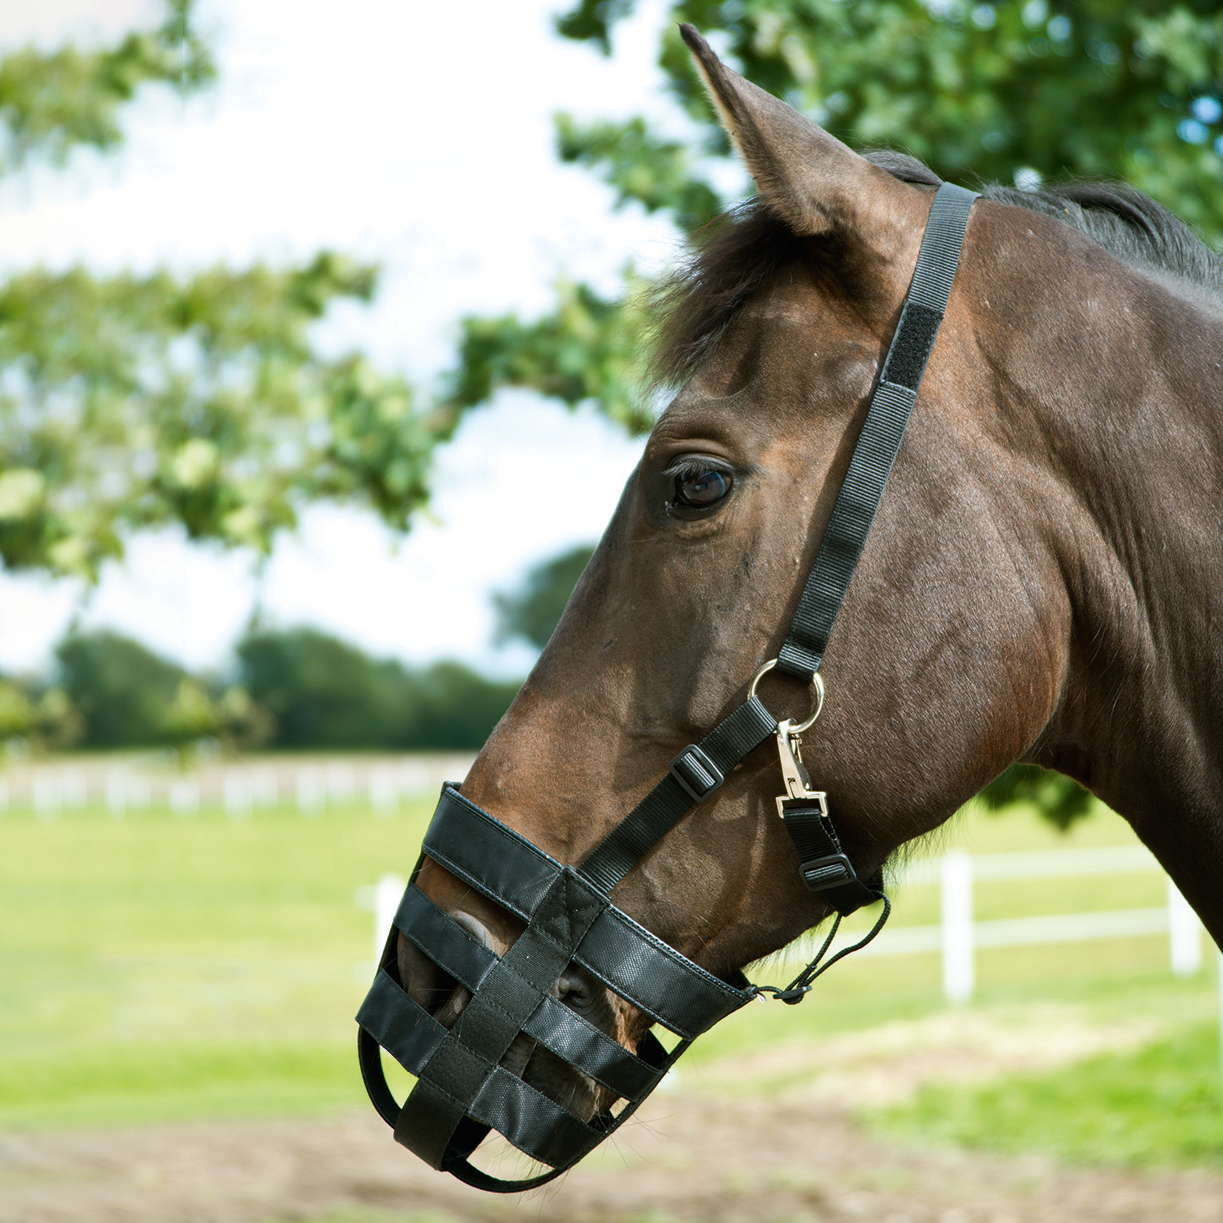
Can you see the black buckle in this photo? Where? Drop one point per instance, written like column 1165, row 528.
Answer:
column 697, row 775
column 828, row 872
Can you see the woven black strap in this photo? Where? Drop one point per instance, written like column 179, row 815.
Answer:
column 694, row 774
column 882, row 433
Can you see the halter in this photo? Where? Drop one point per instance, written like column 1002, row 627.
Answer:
column 463, row 1090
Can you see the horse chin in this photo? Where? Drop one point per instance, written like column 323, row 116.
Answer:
column 557, row 1079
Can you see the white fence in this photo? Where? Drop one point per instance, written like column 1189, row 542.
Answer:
column 383, row 898
column 957, row 936
column 239, row 789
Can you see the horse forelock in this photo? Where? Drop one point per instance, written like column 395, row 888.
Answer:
column 741, row 250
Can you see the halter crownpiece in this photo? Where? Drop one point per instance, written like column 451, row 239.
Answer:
column 465, row 1085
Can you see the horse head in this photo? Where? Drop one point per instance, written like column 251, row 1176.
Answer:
column 960, row 645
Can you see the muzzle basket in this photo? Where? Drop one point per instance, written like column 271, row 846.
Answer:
column 463, row 1089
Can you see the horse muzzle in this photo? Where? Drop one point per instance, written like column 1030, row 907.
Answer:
column 469, row 1081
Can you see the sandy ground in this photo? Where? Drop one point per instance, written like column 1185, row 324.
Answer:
column 761, row 1161
column 691, row 1154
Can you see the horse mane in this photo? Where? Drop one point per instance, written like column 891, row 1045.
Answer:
column 740, row 250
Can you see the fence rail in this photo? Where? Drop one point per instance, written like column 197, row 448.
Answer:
column 958, row 936
column 240, row 789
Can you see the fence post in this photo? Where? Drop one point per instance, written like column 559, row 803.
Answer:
column 382, row 792
column 311, row 793
column 956, row 897
column 236, row 795
column 1184, row 934
column 387, row 893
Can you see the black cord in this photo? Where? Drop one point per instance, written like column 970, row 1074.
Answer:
column 798, row 989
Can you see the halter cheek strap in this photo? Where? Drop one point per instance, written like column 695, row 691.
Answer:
column 892, row 401
column 702, row 767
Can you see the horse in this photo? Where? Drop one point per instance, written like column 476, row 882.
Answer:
column 1043, row 581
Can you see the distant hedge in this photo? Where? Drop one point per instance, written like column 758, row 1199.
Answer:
column 323, row 692
column 306, row 688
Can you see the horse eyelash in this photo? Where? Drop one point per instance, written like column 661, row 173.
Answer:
column 691, row 465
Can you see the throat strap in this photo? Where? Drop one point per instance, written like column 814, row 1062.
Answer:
column 882, row 432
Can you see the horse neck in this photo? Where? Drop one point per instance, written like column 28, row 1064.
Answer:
column 1137, row 444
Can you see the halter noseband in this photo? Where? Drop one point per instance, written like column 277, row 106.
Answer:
column 463, row 1088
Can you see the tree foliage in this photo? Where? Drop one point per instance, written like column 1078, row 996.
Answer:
column 321, row 691
column 53, row 102
column 40, row 721
column 532, row 609
column 1060, row 800
column 121, row 688
column 325, row 693
column 134, row 400
column 1009, row 91
column 296, row 688
column 978, row 89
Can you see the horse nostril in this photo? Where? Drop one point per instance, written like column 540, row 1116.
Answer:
column 574, row 989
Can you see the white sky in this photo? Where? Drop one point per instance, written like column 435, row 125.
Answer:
column 354, row 126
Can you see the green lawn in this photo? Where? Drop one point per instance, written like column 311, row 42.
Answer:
column 167, row 966
column 1162, row 1104
column 164, row 966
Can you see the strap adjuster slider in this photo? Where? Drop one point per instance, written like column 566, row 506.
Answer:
column 828, row 872
column 697, row 775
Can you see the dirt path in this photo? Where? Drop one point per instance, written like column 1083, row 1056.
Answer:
column 794, row 1154
column 781, row 1160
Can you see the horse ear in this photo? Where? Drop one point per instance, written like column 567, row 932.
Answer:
column 806, row 177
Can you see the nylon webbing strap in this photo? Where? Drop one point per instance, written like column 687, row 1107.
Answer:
column 882, row 433
column 694, row 774
column 823, row 864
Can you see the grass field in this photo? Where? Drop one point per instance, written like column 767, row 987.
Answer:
column 1161, row 1104
column 164, row 967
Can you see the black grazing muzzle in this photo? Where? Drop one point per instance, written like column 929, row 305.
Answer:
column 464, row 1089
column 468, row 1080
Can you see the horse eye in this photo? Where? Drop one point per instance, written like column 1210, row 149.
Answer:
column 702, row 487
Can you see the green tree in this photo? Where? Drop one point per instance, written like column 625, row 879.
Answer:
column 196, row 717
column 1061, row 801
column 455, row 707
column 326, row 693
column 981, row 89
column 321, row 691
column 121, row 689
column 128, row 401
column 531, row 610
column 34, row 721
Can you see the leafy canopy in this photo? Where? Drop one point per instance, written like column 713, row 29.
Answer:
column 198, row 399
column 531, row 611
column 983, row 91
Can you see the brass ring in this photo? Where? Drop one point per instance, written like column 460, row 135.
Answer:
column 817, row 683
